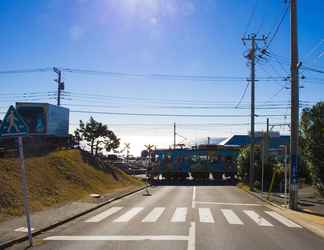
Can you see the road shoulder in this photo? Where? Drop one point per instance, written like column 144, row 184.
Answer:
column 313, row 223
column 53, row 217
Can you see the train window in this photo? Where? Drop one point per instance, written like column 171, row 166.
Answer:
column 203, row 157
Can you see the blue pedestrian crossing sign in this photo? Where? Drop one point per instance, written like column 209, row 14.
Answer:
column 13, row 124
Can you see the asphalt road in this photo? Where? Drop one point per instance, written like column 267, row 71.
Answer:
column 182, row 217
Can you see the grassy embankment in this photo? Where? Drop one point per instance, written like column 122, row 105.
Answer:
column 55, row 178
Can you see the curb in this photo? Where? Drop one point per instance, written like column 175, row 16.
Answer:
column 59, row 223
column 263, row 199
column 311, row 213
column 306, row 225
column 278, row 206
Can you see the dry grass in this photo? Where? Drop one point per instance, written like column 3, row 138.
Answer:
column 243, row 186
column 53, row 179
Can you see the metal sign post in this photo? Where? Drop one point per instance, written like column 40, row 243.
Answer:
column 14, row 126
column 24, row 188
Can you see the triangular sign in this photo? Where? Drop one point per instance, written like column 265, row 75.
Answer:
column 13, row 124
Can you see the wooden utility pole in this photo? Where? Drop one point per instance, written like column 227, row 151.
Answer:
column 252, row 56
column 174, row 136
column 60, row 84
column 294, row 106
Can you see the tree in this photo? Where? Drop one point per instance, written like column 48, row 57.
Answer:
column 243, row 164
column 97, row 136
column 312, row 142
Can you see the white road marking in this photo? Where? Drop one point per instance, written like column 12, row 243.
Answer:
column 129, row 215
column 118, row 237
column 192, row 236
column 228, row 203
column 193, row 203
column 154, row 215
column 23, row 229
column 104, row 214
column 231, row 217
column 282, row 219
column 205, row 215
column 257, row 218
column 179, row 215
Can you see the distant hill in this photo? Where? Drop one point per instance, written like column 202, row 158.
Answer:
column 55, row 178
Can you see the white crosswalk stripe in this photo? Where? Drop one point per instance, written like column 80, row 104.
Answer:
column 154, row 215
column 257, row 218
column 129, row 214
column 205, row 215
column 179, row 215
column 104, row 214
column 231, row 217
column 282, row 219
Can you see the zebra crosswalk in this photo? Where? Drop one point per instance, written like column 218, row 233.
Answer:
column 154, row 215
column 180, row 214
column 231, row 217
column 205, row 215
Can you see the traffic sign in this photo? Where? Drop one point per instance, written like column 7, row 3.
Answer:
column 13, row 124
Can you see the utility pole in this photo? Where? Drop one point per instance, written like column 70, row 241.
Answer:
column 208, row 140
column 252, row 56
column 127, row 147
column 293, row 201
column 267, row 142
column 149, row 150
column 174, row 136
column 264, row 154
column 60, row 84
column 286, row 172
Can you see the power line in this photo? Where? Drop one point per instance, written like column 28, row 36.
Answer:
column 313, row 69
column 23, row 71
column 168, row 115
column 242, row 96
column 251, row 17
column 175, row 107
column 135, row 75
column 100, row 98
column 276, row 93
column 277, row 27
column 171, row 77
column 314, row 48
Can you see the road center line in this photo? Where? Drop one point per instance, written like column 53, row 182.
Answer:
column 193, row 204
column 192, row 236
column 228, row 203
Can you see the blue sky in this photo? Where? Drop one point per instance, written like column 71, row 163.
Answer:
column 174, row 37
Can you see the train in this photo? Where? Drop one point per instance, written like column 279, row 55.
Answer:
column 198, row 163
